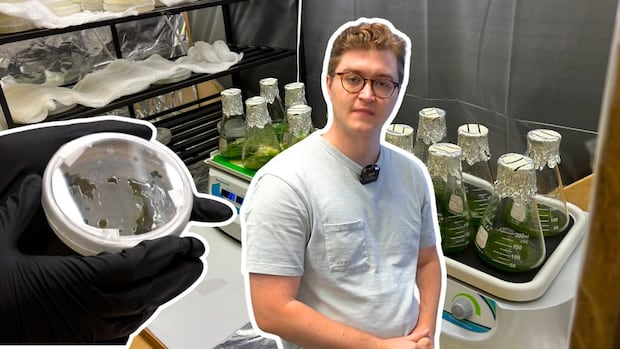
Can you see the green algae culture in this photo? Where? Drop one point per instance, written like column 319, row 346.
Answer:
column 454, row 219
column 258, row 157
column 261, row 143
column 510, row 237
column 477, row 200
column 509, row 243
column 232, row 126
column 128, row 205
column 233, row 150
column 444, row 166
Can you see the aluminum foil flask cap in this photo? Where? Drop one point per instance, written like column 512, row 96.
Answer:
column 444, row 160
column 401, row 135
column 269, row 89
column 300, row 119
column 516, row 177
column 294, row 93
column 257, row 114
column 543, row 146
column 473, row 140
column 431, row 125
column 231, row 102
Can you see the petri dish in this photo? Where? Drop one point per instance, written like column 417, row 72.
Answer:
column 110, row 191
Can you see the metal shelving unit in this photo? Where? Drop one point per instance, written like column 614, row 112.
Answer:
column 195, row 130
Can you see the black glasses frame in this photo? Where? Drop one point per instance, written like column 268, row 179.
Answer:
column 372, row 84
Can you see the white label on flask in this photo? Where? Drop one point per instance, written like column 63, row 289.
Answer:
column 481, row 237
column 518, row 212
column 456, row 204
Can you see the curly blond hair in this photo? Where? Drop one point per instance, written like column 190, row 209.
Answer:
column 367, row 36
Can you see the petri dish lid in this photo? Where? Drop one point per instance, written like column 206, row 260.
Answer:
column 16, row 26
column 66, row 10
column 122, row 8
column 109, row 191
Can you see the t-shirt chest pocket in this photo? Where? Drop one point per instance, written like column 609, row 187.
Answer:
column 345, row 245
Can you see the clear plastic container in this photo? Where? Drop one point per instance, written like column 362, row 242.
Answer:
column 109, row 191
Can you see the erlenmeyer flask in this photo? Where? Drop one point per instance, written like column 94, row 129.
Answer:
column 232, row 127
column 477, row 177
column 431, row 130
column 543, row 146
column 401, row 135
column 444, row 167
column 261, row 143
column 510, row 237
column 270, row 91
column 300, row 124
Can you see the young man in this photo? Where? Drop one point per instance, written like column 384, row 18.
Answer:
column 340, row 228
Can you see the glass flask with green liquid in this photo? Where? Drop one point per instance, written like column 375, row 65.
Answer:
column 431, row 130
column 299, row 124
column 232, row 126
column 510, row 237
column 477, row 178
column 400, row 135
column 270, row 91
column 261, row 143
column 543, row 146
column 444, row 167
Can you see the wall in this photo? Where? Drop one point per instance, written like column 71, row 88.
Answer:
column 510, row 65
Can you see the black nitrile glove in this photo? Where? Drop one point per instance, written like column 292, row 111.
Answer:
column 48, row 293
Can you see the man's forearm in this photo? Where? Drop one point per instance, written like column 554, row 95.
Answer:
column 304, row 326
column 429, row 282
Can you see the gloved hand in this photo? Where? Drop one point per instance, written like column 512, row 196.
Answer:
column 49, row 294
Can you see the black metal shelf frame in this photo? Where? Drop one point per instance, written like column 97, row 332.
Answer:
column 194, row 131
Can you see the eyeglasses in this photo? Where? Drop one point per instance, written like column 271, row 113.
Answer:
column 354, row 83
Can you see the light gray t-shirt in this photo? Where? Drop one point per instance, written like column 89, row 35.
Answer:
column 355, row 245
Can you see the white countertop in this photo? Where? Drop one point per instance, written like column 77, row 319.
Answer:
column 215, row 308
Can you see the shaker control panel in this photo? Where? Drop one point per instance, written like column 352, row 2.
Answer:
column 468, row 308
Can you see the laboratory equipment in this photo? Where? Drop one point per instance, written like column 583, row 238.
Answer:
column 294, row 93
column 487, row 308
column 477, row 177
column 444, row 167
column 299, row 124
column 232, row 128
column 261, row 143
column 401, row 135
column 543, row 146
column 510, row 236
column 270, row 91
column 431, row 130
column 109, row 191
